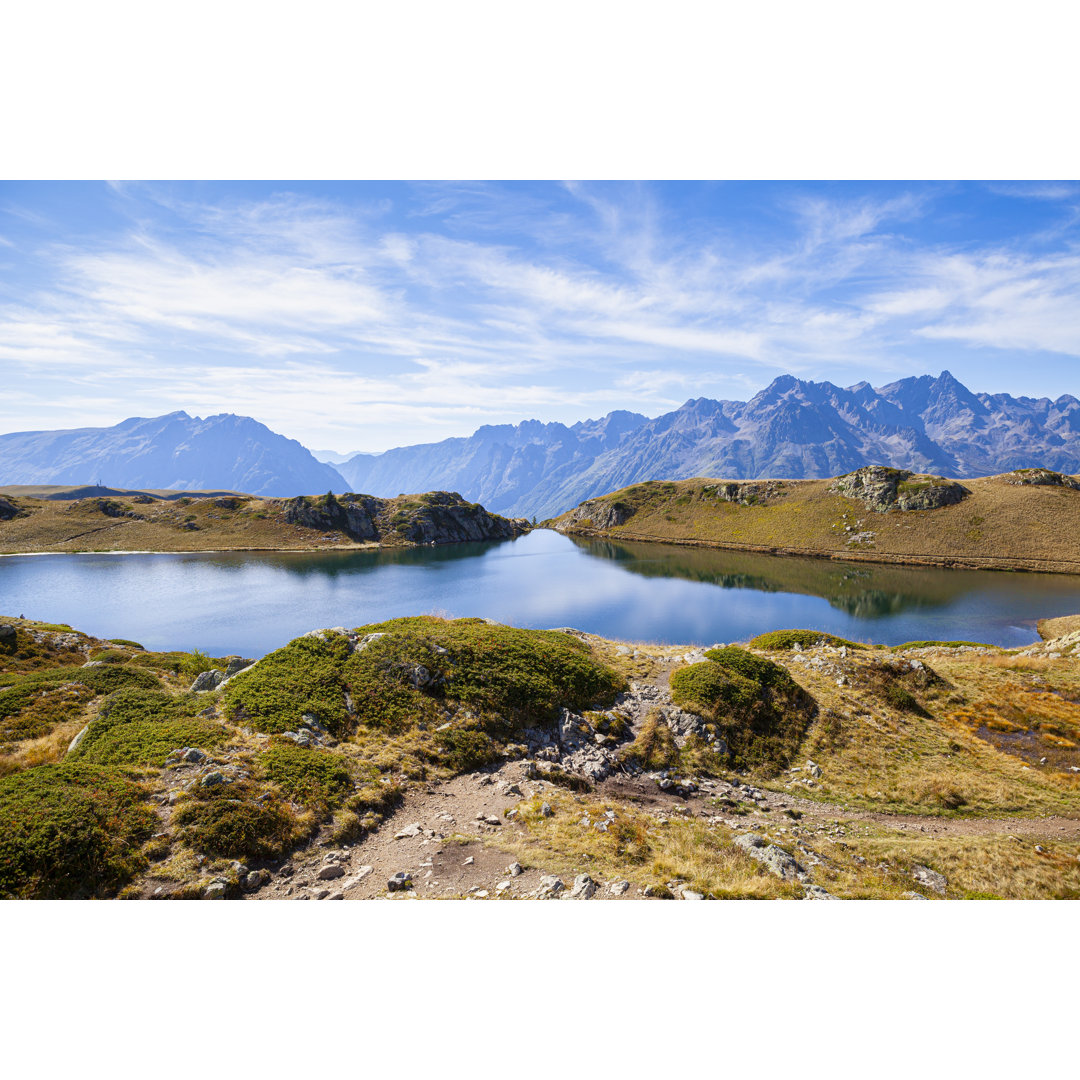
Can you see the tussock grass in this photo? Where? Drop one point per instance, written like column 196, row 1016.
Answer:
column 640, row 848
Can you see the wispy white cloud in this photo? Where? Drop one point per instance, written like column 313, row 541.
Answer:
column 480, row 302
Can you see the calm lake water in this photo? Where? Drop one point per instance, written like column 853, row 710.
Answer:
column 251, row 603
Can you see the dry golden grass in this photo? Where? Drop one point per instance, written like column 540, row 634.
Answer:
column 999, row 525
column 995, row 865
column 640, row 848
column 42, row 751
column 1055, row 628
column 876, row 757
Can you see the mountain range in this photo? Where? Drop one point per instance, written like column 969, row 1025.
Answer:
column 172, row 451
column 793, row 428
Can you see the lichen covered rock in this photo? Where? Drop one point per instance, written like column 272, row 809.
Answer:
column 882, row 488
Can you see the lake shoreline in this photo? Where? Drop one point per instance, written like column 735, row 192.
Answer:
column 967, row 562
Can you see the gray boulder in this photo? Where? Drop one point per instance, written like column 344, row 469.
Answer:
column 775, row 859
column 8, row 634
column 929, row 878
column 206, row 680
column 550, row 888
column 584, row 888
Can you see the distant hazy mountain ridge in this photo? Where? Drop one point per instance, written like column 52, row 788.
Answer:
column 792, row 429
column 172, row 451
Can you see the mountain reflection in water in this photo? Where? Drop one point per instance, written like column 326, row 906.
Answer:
column 861, row 590
column 250, row 602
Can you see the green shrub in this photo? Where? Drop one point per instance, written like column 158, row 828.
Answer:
column 303, row 677
column 714, row 690
column 942, row 645
column 188, row 664
column 749, row 666
column 110, row 656
column 70, row 830
column 125, row 642
column 762, row 720
column 778, row 640
column 466, row 750
column 511, row 677
column 225, row 822
column 308, row 776
column 100, row 680
column 142, row 727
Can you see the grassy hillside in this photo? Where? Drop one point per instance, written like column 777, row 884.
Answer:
column 1027, row 519
column 176, row 522
column 929, row 768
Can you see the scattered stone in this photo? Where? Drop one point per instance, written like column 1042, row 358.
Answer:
column 321, row 894
column 774, row 858
column 469, row 861
column 550, row 888
column 331, row 871
column 515, row 869
column 212, row 780
column 1039, row 849
column 690, row 894
column 415, row 829
column 400, row 881
column 255, row 880
column 193, row 755
column 8, row 633
column 546, row 811
column 816, row 892
column 617, row 888
column 502, row 886
column 913, row 896
column 930, row 878
column 658, row 892
column 584, row 888
column 215, row 891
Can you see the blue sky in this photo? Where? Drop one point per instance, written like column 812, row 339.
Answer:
column 370, row 315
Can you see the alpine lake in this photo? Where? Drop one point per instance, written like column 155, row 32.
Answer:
column 249, row 603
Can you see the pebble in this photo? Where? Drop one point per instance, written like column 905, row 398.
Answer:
column 410, row 830
column 469, row 861
column 617, row 888
column 546, row 811
column 515, row 869
column 400, row 881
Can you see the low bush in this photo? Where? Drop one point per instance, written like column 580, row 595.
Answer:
column 303, row 677
column 142, row 727
column 779, row 640
column 226, row 822
column 100, row 680
column 70, row 831
column 308, row 776
column 761, row 713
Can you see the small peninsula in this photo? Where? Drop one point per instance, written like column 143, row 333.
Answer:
column 40, row 520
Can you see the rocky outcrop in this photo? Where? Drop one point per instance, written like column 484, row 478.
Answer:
column 597, row 514
column 438, row 517
column 1041, row 478
column 8, row 509
column 351, row 514
column 881, row 488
